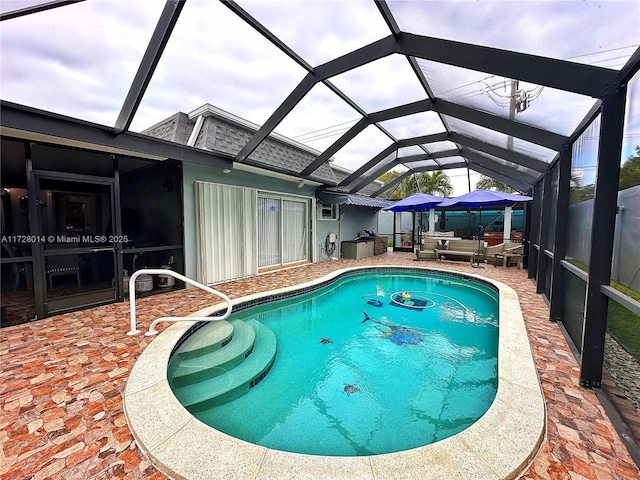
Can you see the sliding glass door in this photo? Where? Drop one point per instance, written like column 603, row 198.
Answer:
column 241, row 230
column 76, row 218
column 283, row 231
column 294, row 231
column 269, row 232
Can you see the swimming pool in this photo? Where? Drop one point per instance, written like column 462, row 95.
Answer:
column 499, row 445
column 358, row 371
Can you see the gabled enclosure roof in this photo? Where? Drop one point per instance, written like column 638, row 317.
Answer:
column 498, row 88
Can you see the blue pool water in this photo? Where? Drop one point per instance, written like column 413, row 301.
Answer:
column 404, row 378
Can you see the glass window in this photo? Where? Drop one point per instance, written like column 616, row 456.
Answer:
column 294, row 231
column 283, row 231
column 269, row 232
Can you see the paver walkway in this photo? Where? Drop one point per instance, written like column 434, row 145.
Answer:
column 63, row 379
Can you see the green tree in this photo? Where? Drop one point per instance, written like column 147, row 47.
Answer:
column 435, row 183
column 389, row 176
column 406, row 188
column 630, row 171
column 578, row 192
column 432, row 183
column 402, row 190
column 488, row 183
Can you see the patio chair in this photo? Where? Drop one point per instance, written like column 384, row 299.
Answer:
column 511, row 247
column 62, row 265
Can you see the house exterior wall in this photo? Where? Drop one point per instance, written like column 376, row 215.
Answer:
column 324, row 228
column 354, row 219
column 221, row 132
column 193, row 172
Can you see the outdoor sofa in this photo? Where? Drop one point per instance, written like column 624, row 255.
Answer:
column 428, row 249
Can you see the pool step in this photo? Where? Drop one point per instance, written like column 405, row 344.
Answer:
column 211, row 337
column 209, row 364
column 235, row 382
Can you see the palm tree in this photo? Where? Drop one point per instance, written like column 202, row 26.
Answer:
column 405, row 188
column 435, row 183
column 488, row 183
column 432, row 183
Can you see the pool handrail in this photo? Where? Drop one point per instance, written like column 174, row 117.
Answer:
column 163, row 271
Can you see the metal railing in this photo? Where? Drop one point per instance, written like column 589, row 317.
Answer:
column 161, row 271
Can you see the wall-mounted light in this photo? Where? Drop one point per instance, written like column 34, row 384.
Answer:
column 226, row 170
column 300, row 183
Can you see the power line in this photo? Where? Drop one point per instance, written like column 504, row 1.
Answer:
column 527, row 97
column 332, row 133
column 325, row 128
column 603, row 51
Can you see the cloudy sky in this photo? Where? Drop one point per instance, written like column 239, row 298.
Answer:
column 79, row 60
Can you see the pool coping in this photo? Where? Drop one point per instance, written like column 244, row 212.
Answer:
column 500, row 445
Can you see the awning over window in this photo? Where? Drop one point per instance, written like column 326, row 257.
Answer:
column 349, row 199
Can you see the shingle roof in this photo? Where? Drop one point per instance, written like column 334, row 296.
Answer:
column 224, row 133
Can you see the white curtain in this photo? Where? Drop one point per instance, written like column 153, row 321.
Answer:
column 226, row 218
column 269, row 232
column 294, row 231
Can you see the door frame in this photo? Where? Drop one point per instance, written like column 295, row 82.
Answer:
column 36, row 219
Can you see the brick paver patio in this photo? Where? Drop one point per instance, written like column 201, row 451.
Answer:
column 63, row 379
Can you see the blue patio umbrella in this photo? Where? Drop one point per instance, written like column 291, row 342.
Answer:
column 417, row 202
column 484, row 199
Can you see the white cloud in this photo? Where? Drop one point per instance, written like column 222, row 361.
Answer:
column 80, row 59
